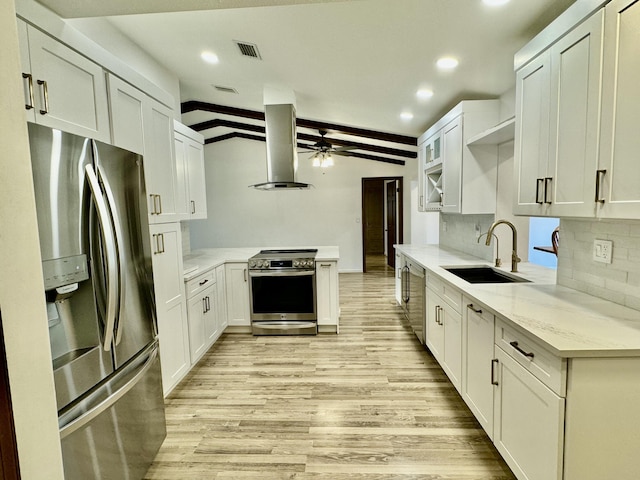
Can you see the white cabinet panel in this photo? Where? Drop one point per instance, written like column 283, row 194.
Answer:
column 166, row 247
column 327, row 293
column 620, row 142
column 222, row 298
column 237, row 288
column 191, row 175
column 435, row 330
column 529, row 422
column 159, row 152
column 452, row 166
column 202, row 322
column 127, row 113
column 478, row 364
column 69, row 91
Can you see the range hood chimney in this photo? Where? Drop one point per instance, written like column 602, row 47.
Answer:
column 282, row 157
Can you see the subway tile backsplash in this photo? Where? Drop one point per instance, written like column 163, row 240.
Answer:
column 459, row 232
column 619, row 281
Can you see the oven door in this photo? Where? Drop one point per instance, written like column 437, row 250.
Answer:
column 283, row 295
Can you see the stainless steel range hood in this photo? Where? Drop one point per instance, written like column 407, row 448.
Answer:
column 282, row 157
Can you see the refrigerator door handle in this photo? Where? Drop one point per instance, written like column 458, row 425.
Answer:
column 111, row 255
column 107, row 403
column 111, row 203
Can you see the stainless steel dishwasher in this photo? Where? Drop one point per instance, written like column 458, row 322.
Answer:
column 413, row 296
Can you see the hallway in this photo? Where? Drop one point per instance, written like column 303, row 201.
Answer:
column 369, row 403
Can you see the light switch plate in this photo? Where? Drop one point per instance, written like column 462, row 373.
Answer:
column 602, row 250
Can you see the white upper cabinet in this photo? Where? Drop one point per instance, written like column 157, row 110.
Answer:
column 619, row 170
column 189, row 146
column 63, row 89
column 558, row 110
column 456, row 177
column 143, row 125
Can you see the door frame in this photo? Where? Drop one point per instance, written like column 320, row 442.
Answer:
column 399, row 218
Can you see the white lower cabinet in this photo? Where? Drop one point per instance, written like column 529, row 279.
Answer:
column 204, row 323
column 166, row 248
column 529, row 422
column 444, row 328
column 327, row 299
column 237, row 292
column 478, row 363
column 222, row 297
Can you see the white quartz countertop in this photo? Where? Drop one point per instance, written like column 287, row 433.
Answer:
column 201, row 261
column 567, row 322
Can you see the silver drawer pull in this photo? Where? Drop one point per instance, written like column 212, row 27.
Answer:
column 514, row 344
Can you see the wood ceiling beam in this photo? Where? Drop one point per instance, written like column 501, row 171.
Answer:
column 248, row 136
column 194, row 105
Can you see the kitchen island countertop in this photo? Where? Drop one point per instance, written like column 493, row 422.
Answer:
column 201, row 261
column 568, row 322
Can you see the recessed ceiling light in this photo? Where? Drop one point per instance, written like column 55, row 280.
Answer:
column 447, row 63
column 495, row 3
column 424, row 93
column 406, row 116
column 209, row 57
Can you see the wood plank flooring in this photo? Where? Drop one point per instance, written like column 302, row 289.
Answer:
column 370, row 403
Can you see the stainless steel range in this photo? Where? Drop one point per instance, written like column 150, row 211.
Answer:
column 283, row 292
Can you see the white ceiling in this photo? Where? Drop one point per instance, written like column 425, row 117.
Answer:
column 353, row 62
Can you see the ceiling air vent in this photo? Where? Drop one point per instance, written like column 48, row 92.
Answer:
column 222, row 89
column 248, row 49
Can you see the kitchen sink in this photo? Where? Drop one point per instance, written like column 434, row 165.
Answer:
column 484, row 274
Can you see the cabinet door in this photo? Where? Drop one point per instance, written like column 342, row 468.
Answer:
column 166, row 246
column 477, row 387
column 327, row 293
column 127, row 109
column 620, row 142
column 237, row 287
column 211, row 321
column 533, row 85
column 452, row 166
column 576, row 63
column 197, row 205
column 196, row 310
column 27, row 77
column 452, row 352
column 160, row 165
column 435, row 331
column 70, row 91
column 529, row 422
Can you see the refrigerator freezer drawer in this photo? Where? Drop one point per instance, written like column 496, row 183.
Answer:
column 121, row 438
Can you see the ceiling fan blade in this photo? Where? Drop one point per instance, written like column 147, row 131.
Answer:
column 344, row 149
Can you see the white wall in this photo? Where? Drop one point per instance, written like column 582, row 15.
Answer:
column 328, row 214
column 24, row 318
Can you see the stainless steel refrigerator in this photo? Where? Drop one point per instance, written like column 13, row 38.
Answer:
column 96, row 260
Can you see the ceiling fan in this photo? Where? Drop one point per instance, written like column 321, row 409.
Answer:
column 323, row 151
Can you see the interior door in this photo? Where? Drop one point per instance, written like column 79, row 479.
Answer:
column 391, row 221
column 8, row 448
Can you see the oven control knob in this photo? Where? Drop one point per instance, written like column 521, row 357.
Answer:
column 296, row 263
column 265, row 264
column 252, row 264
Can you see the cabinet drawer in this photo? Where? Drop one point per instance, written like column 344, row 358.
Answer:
column 450, row 294
column 545, row 366
column 196, row 285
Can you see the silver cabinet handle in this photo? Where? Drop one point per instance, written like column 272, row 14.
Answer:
column 244, row 272
column 599, row 175
column 514, row 344
column 193, row 206
column 494, row 363
column 29, row 78
column 204, row 304
column 45, row 96
column 159, row 204
column 476, row 310
column 159, row 239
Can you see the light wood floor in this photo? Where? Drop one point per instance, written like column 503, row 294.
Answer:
column 369, row 403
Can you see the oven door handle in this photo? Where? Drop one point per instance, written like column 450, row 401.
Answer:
column 304, row 273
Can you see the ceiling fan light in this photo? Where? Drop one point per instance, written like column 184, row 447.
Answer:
column 328, row 161
column 316, row 160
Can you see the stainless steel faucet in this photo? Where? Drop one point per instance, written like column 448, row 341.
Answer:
column 514, row 252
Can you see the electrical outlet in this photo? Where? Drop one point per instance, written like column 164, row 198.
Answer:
column 602, row 250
